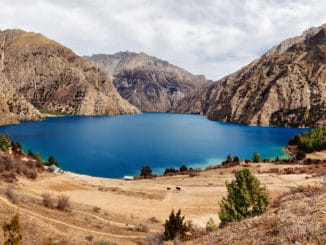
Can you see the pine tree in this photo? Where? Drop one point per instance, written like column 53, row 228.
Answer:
column 175, row 226
column 12, row 231
column 256, row 157
column 245, row 198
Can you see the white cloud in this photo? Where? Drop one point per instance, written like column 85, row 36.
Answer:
column 210, row 37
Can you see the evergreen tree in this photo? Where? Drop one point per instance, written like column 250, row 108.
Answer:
column 175, row 227
column 12, row 231
column 52, row 161
column 245, row 198
column 183, row 168
column 146, row 172
column 256, row 157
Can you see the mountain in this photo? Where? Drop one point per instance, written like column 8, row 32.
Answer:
column 148, row 83
column 48, row 76
column 284, row 87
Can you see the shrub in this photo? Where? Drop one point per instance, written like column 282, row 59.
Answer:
column 210, row 225
column 175, row 227
column 170, row 171
column 183, row 168
column 256, row 157
column 245, row 198
column 315, row 140
column 146, row 172
column 300, row 155
column 16, row 147
column 63, row 203
column 4, row 142
column 37, row 156
column 11, row 231
column 48, row 200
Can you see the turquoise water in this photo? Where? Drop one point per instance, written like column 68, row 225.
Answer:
column 121, row 145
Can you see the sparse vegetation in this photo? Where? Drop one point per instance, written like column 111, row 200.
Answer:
column 245, row 198
column 63, row 203
column 315, row 140
column 211, row 225
column 48, row 200
column 175, row 227
column 11, row 231
column 4, row 142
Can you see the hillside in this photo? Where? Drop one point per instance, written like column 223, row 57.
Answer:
column 44, row 75
column 148, row 83
column 284, row 87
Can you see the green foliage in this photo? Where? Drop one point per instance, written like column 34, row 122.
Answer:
column 37, row 156
column 256, row 157
column 12, row 231
column 175, row 227
column 245, row 198
column 210, row 225
column 146, row 172
column 4, row 142
column 315, row 140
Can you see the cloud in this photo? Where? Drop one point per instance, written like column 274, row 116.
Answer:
column 210, row 37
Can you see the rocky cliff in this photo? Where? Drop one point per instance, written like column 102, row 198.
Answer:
column 284, row 87
column 48, row 76
column 148, row 83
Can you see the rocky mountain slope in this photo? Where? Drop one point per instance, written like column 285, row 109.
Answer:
column 284, row 87
column 48, row 76
column 148, row 83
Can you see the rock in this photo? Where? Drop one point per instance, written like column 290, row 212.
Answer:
column 49, row 76
column 148, row 83
column 284, row 87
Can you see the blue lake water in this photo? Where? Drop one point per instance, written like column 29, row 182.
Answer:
column 121, row 145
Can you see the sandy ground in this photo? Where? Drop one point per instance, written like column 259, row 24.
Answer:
column 125, row 204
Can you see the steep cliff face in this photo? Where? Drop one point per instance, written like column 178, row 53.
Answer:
column 147, row 82
column 52, row 77
column 285, row 87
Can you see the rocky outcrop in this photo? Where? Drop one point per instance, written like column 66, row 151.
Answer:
column 285, row 87
column 148, row 83
column 48, row 76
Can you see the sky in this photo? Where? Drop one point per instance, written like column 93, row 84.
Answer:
column 209, row 37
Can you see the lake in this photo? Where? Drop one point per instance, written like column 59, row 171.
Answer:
column 114, row 146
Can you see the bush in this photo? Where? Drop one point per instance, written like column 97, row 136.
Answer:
column 52, row 161
column 236, row 159
column 183, row 168
column 256, row 157
column 175, row 227
column 300, row 155
column 245, row 198
column 210, row 225
column 146, row 172
column 4, row 142
column 63, row 203
column 37, row 156
column 315, row 140
column 11, row 231
column 48, row 200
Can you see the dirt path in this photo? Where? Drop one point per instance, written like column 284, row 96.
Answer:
column 40, row 217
